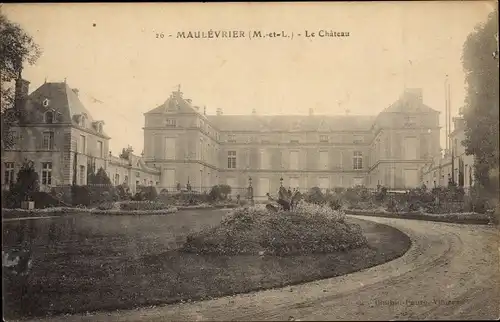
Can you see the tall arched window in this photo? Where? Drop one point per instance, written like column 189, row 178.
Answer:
column 49, row 117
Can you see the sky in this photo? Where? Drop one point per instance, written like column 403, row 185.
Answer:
column 112, row 54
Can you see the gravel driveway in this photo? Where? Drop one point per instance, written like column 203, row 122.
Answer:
column 450, row 272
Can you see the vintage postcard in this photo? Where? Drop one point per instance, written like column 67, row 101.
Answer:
column 250, row 161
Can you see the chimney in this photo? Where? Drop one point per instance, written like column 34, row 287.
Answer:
column 219, row 111
column 204, row 110
column 22, row 88
column 254, row 111
column 76, row 91
column 311, row 111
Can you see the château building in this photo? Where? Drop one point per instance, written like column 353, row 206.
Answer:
column 65, row 142
column 182, row 144
column 389, row 149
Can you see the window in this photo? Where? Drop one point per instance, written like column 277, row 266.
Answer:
column 9, row 173
column 410, row 121
column 170, row 123
column 410, row 148
column 264, row 160
column 170, row 148
column 357, row 160
column 49, row 117
column 45, row 103
column 83, row 121
column 48, row 141
column 323, row 138
column 294, row 140
column 82, row 175
column 323, row 159
column 231, row 159
column 98, row 126
column 137, row 183
column 294, row 160
column 117, row 179
column 83, row 144
column 137, row 174
column 231, row 138
column 265, row 140
column 145, row 182
column 99, row 149
column 47, row 173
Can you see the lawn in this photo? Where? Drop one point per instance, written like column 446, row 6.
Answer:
column 86, row 263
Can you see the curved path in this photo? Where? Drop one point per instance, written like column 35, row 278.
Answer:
column 450, row 272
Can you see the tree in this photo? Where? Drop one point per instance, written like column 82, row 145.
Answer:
column 16, row 49
column 480, row 113
column 26, row 185
column 100, row 178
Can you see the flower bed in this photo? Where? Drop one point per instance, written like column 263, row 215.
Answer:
column 253, row 230
column 16, row 213
column 134, row 212
column 459, row 218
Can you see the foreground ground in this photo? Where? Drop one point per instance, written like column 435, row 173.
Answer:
column 450, row 272
column 86, row 263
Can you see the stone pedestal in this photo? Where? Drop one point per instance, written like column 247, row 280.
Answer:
column 28, row 205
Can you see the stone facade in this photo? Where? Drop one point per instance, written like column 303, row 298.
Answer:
column 442, row 169
column 184, row 145
column 313, row 150
column 58, row 133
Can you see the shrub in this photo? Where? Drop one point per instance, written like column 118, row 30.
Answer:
column 123, row 192
column 309, row 229
column 25, row 187
column 146, row 193
column 106, row 206
column 219, row 192
column 315, row 196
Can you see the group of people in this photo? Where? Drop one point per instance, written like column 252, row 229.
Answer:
column 287, row 199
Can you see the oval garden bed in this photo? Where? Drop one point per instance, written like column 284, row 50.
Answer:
column 250, row 249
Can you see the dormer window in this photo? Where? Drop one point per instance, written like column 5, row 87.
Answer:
column 49, row 117
column 98, row 126
column 46, row 102
column 83, row 121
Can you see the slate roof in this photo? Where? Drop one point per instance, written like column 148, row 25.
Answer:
column 64, row 101
column 176, row 104
column 286, row 123
column 410, row 101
